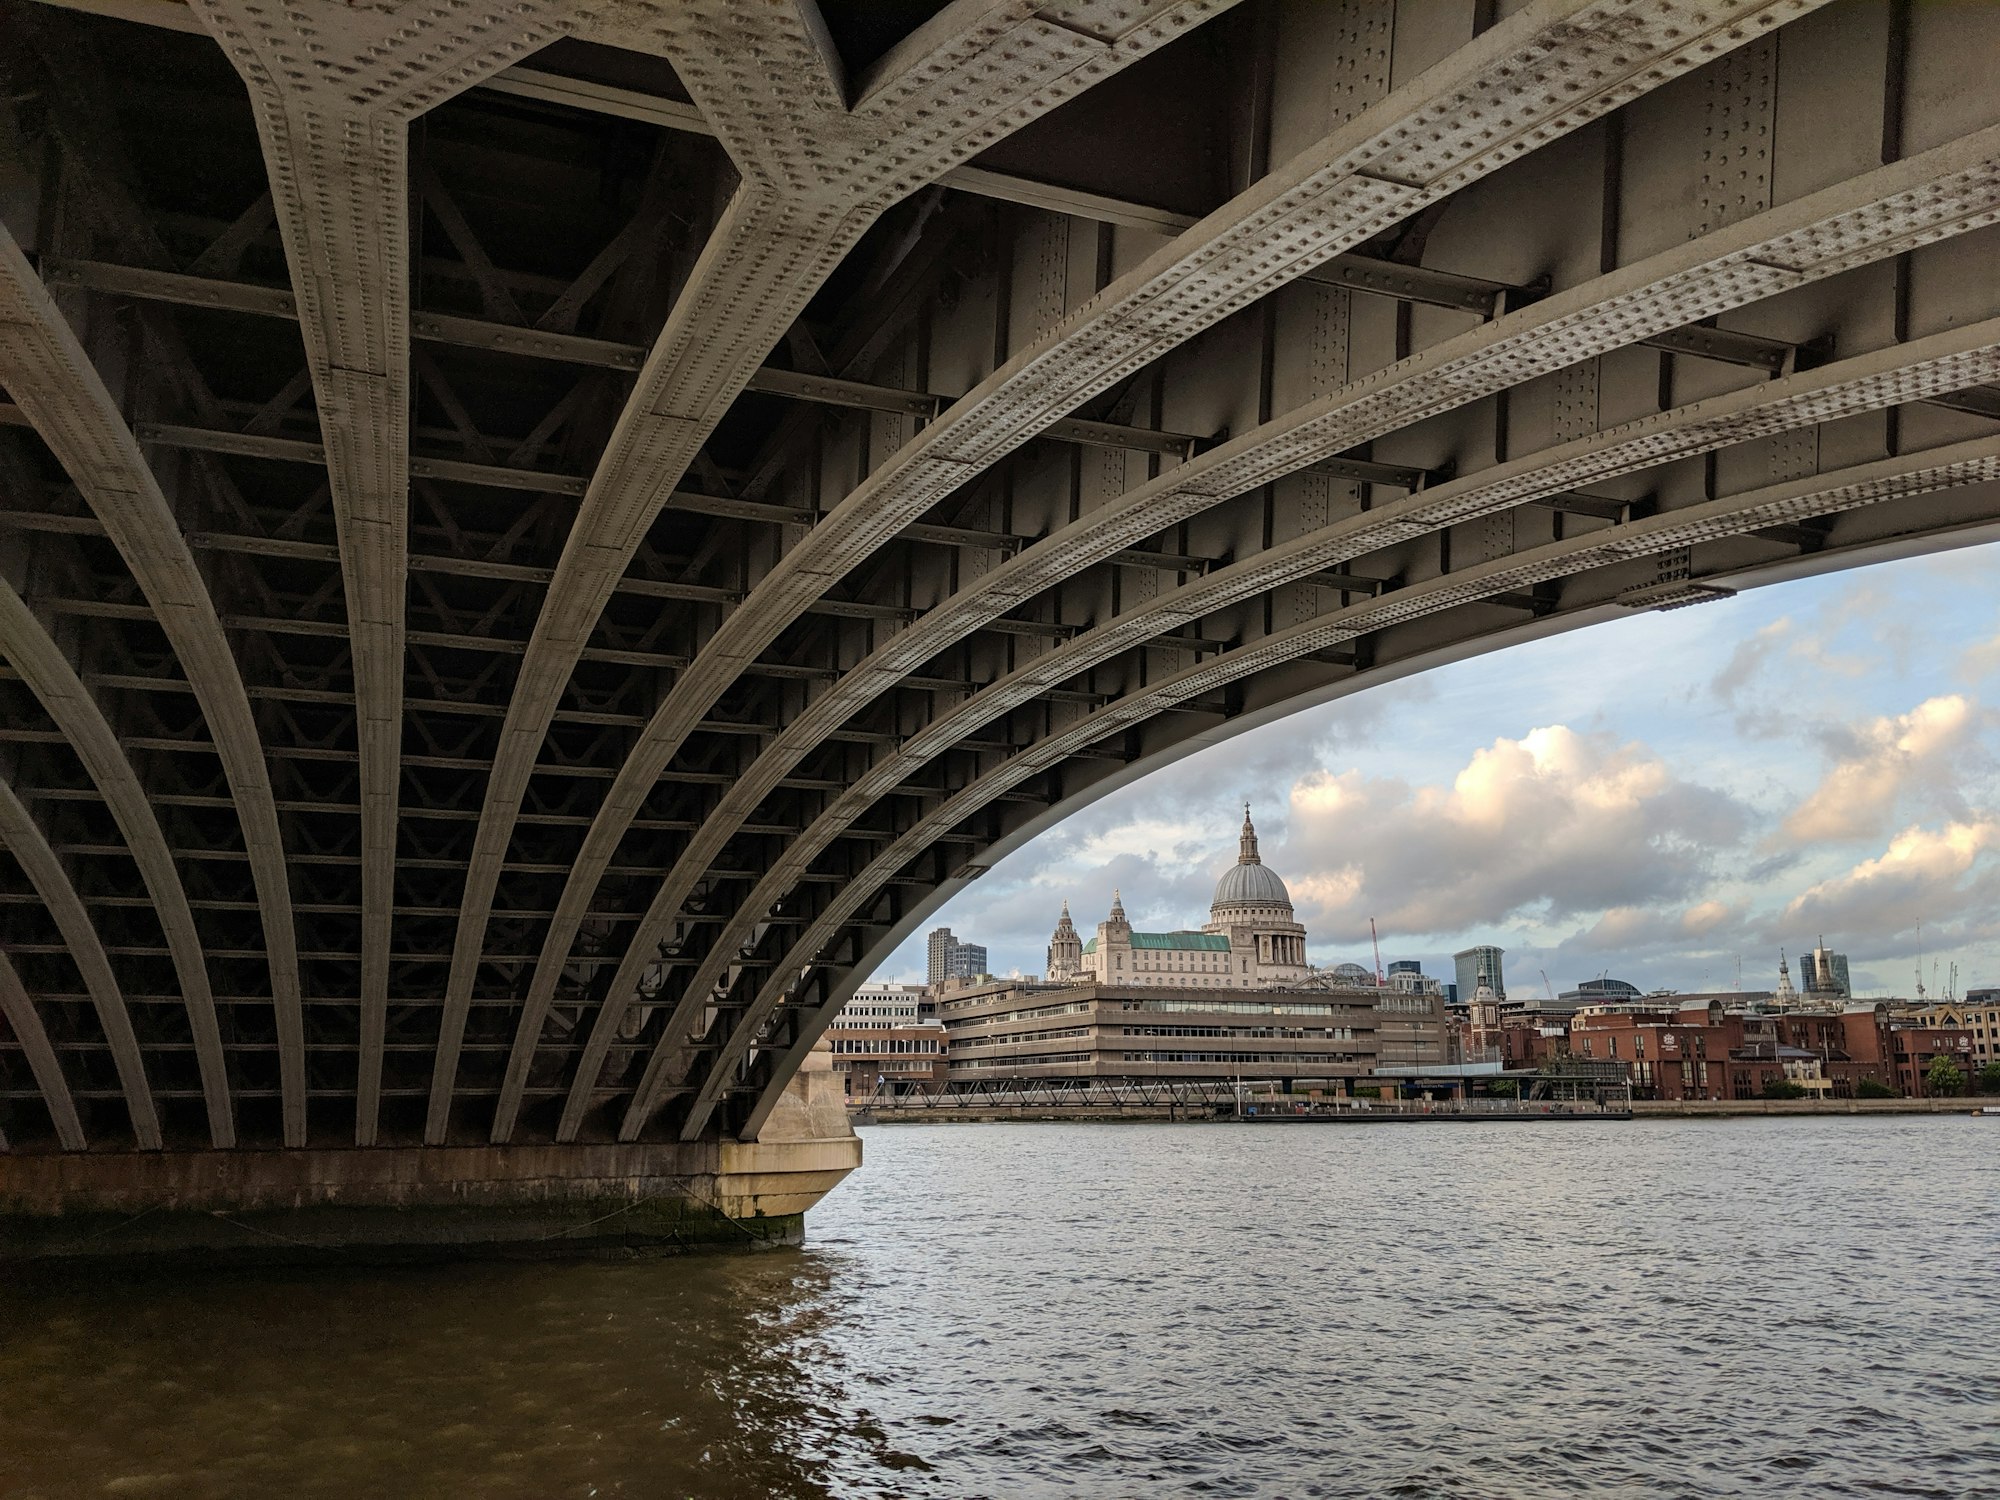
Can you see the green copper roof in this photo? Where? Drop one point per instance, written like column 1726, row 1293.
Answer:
column 1207, row 942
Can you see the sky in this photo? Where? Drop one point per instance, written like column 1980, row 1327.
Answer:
column 1663, row 798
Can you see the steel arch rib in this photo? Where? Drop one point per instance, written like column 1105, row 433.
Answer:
column 50, row 677
column 1818, row 495
column 1936, row 365
column 334, row 88
column 1881, row 213
column 20, row 833
column 26, row 1022
column 53, row 381
column 1457, row 122
column 815, row 175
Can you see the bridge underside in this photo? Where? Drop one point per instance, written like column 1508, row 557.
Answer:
column 537, row 541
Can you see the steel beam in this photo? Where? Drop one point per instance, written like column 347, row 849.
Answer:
column 798, row 209
column 80, row 723
column 1820, row 495
column 22, row 836
column 26, row 1023
column 180, row 288
column 1362, row 178
column 48, row 374
column 1928, row 197
column 1943, row 362
column 334, row 90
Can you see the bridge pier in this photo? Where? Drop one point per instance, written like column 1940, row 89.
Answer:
column 597, row 1200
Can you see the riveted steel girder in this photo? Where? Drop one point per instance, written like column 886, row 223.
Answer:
column 1944, row 362
column 796, row 476
column 1941, row 193
column 1455, row 124
column 82, row 726
column 1880, row 482
column 50, row 376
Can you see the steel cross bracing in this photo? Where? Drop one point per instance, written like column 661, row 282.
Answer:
column 1942, row 363
column 1947, row 191
column 81, row 724
column 47, row 372
column 1456, row 123
column 814, row 175
column 1974, row 462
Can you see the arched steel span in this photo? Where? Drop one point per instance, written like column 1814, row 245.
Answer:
column 1545, row 72
column 40, row 662
column 1950, row 467
column 579, row 523
column 1939, row 365
column 1905, row 205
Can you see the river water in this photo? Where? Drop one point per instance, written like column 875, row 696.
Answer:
column 1653, row 1309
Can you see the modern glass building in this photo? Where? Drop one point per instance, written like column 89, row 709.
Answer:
column 1472, row 962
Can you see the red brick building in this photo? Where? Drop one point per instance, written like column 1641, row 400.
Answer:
column 1706, row 1052
column 1905, row 1048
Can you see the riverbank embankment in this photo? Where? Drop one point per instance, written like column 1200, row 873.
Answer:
column 1642, row 1109
column 1683, row 1109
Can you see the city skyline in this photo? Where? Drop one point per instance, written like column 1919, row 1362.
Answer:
column 1658, row 797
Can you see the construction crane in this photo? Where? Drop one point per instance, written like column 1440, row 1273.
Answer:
column 1549, row 987
column 1380, row 980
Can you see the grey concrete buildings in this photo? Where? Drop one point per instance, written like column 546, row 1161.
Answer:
column 1156, row 1031
column 950, row 958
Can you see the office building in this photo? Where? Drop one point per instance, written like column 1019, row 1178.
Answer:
column 950, row 958
column 887, row 1031
column 1152, row 1030
column 1823, row 975
column 1475, row 962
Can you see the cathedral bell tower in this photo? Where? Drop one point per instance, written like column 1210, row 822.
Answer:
column 1065, row 951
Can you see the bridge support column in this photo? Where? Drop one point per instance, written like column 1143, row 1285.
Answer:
column 601, row 1200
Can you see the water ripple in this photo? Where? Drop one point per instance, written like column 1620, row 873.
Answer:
column 1656, row 1311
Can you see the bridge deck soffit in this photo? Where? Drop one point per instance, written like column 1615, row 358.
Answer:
column 515, row 586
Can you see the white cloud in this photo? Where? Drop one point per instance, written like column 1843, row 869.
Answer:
column 1706, row 917
column 1881, row 758
column 1639, row 832
column 1920, row 877
column 1553, row 824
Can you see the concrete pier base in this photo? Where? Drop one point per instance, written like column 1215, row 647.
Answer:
column 424, row 1203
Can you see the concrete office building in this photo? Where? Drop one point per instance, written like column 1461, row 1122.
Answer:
column 886, row 1031
column 951, row 958
column 1153, row 1031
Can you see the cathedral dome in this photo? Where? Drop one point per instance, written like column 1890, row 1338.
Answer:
column 1250, row 882
column 1251, row 885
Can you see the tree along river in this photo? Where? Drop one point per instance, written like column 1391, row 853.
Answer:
column 1651, row 1309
